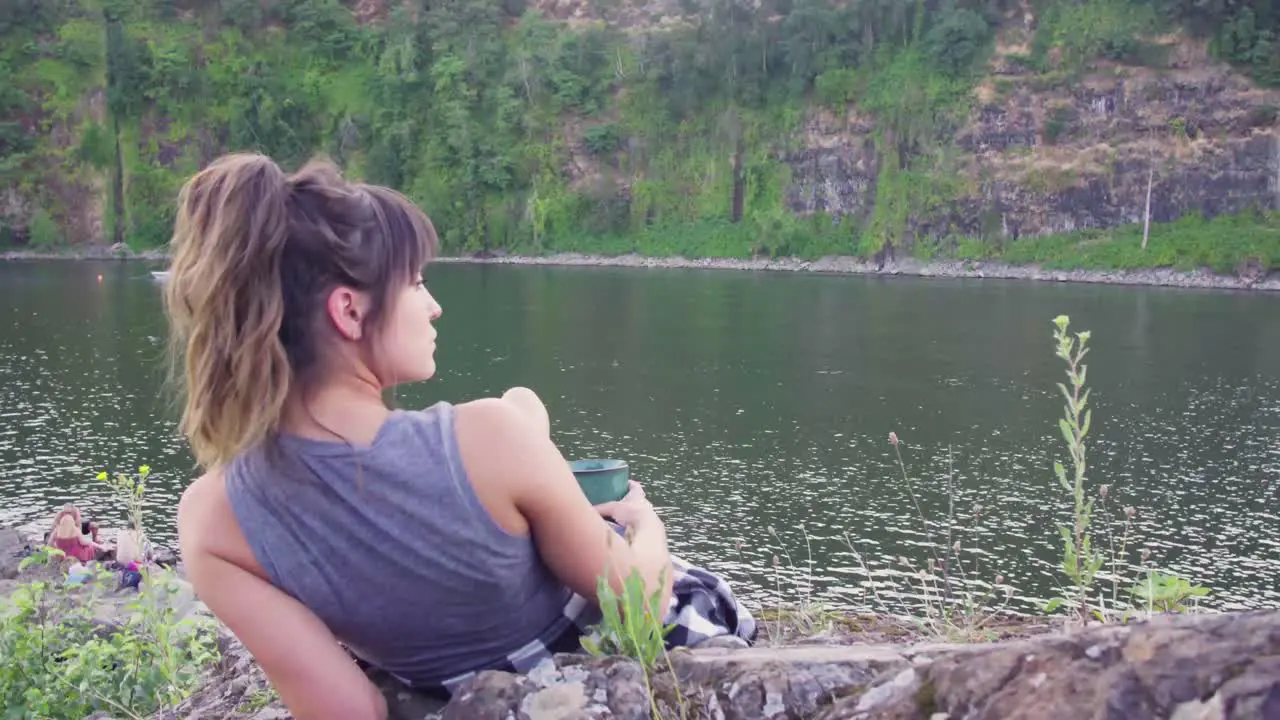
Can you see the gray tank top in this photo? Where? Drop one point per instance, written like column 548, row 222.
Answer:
column 391, row 548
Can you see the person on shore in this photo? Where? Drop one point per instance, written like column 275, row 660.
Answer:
column 431, row 543
column 130, row 559
column 74, row 536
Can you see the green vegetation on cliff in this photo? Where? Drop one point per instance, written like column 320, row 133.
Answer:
column 664, row 128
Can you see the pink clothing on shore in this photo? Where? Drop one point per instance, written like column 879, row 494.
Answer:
column 74, row 549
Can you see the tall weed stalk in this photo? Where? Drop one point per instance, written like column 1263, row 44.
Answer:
column 1152, row 590
column 1080, row 562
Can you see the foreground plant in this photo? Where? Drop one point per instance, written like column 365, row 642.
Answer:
column 631, row 626
column 954, row 603
column 1081, row 561
column 1164, row 592
column 62, row 661
column 130, row 489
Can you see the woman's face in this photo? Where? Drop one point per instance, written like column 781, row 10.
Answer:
column 406, row 345
column 401, row 349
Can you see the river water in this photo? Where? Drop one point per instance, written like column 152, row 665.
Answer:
column 757, row 408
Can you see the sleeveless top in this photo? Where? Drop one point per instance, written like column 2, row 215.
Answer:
column 390, row 547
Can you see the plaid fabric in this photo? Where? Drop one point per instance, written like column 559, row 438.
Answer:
column 702, row 606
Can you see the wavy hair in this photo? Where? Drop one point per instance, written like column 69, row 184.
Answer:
column 254, row 253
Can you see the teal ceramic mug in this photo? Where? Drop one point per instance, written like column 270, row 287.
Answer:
column 602, row 481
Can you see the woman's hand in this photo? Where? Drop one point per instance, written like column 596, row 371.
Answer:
column 632, row 511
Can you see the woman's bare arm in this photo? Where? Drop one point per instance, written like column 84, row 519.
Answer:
column 501, row 445
column 313, row 675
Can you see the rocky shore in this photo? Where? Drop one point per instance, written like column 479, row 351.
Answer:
column 1247, row 278
column 1189, row 667
column 87, row 252
column 1179, row 668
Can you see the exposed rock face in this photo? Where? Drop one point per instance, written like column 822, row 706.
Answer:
column 1218, row 666
column 639, row 14
column 1045, row 154
column 1180, row 668
column 837, row 170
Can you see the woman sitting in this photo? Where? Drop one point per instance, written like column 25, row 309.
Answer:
column 75, row 537
column 432, row 543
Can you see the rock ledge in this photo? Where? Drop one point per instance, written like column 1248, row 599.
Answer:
column 1180, row 668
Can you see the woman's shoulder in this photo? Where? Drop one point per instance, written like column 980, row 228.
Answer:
column 497, row 438
column 200, row 505
column 488, row 418
column 207, row 524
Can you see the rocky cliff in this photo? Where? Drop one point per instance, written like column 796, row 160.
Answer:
column 664, row 127
column 1044, row 153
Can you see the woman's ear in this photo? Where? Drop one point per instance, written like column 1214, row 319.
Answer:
column 347, row 310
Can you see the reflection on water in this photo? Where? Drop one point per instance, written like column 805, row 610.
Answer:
column 756, row 408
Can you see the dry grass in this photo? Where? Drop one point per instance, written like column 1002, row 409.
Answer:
column 1058, row 166
column 944, row 598
column 792, row 626
column 986, row 93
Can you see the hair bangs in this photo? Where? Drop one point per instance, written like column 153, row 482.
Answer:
column 410, row 237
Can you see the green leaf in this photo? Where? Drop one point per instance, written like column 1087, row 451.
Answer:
column 591, row 646
column 1053, row 605
column 1066, row 394
column 1066, row 432
column 1061, row 472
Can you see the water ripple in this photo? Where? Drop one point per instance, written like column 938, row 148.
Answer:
column 757, row 410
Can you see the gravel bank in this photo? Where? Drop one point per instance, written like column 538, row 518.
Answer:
column 845, row 265
column 909, row 267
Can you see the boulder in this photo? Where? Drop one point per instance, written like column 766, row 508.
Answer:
column 1179, row 667
column 722, row 683
column 13, row 547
